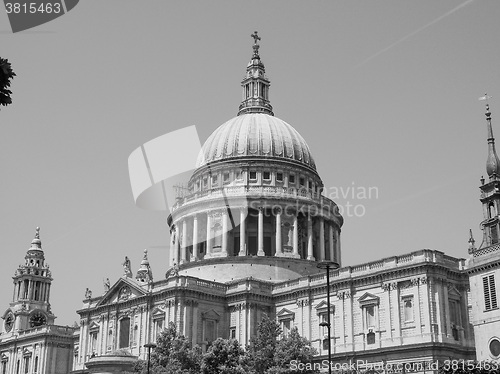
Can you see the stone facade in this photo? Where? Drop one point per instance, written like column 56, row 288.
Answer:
column 248, row 233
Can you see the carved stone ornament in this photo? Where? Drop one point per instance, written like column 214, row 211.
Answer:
column 390, row 286
column 124, row 293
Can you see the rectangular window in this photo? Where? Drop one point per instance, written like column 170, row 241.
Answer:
column 93, row 342
column 253, row 175
column 323, row 318
column 226, row 178
column 408, row 309
column 36, row 364
column 157, row 327
column 124, row 333
column 232, row 333
column 209, row 330
column 26, row 365
column 267, row 176
column 239, row 175
column 310, row 185
column 302, row 181
column 205, row 182
column 4, row 367
column 494, row 234
column 454, row 312
column 490, row 294
column 291, row 179
column 215, row 180
column 370, row 316
column 286, row 325
column 279, row 177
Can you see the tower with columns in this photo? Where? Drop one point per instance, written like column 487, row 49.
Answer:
column 484, row 261
column 30, row 341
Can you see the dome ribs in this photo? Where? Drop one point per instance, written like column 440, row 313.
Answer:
column 256, row 134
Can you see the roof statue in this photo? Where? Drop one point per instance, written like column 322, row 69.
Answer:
column 127, row 268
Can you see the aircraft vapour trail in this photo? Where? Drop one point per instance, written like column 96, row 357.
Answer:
column 414, row 33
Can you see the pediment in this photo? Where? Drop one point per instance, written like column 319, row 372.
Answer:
column 323, row 307
column 94, row 326
column 211, row 314
column 124, row 289
column 285, row 314
column 454, row 293
column 158, row 313
column 369, row 299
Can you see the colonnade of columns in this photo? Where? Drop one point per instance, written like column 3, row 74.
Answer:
column 32, row 290
column 186, row 248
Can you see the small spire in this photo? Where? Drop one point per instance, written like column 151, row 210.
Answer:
column 472, row 242
column 492, row 163
column 144, row 274
column 36, row 243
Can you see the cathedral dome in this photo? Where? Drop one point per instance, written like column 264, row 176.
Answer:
column 256, row 135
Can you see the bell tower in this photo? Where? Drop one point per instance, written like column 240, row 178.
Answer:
column 490, row 190
column 30, row 305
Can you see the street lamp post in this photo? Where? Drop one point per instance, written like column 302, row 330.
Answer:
column 327, row 265
column 149, row 346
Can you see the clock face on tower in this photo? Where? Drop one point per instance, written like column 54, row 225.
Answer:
column 37, row 319
column 9, row 322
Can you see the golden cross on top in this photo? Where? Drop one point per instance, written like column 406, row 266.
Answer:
column 255, row 37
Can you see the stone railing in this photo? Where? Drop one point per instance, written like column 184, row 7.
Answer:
column 52, row 329
column 487, row 250
column 252, row 191
column 384, row 265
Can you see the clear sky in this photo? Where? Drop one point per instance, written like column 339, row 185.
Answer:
column 384, row 92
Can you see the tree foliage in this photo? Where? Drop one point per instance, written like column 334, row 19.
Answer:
column 6, row 75
column 173, row 354
column 262, row 347
column 224, row 357
column 293, row 347
column 266, row 354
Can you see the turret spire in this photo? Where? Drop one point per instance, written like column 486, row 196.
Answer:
column 492, row 163
column 255, row 85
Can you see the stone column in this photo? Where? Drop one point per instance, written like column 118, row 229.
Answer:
column 209, row 236
column 184, row 242
column 224, row 234
column 175, row 247
column 242, row 232
column 260, row 245
column 296, row 237
column 279, row 250
column 310, row 255
column 195, row 239
column 194, row 339
column 321, row 239
column 331, row 243
column 338, row 257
